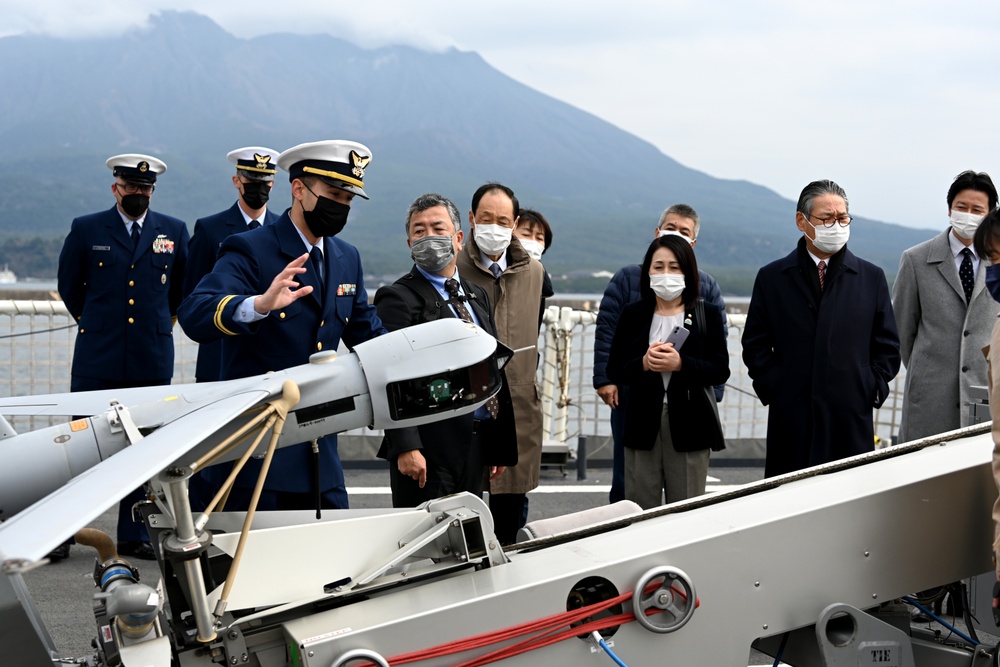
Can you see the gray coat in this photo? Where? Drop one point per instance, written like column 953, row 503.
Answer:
column 941, row 339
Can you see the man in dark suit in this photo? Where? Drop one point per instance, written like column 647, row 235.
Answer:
column 120, row 276
column 449, row 456
column 820, row 340
column 255, row 169
column 282, row 292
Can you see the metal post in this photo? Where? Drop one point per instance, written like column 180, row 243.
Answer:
column 581, row 457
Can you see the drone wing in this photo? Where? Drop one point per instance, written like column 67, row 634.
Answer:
column 35, row 531
column 89, row 403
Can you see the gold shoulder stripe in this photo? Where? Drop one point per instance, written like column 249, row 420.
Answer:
column 218, row 315
column 332, row 174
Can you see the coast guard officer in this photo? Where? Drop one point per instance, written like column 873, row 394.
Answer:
column 283, row 292
column 254, row 178
column 120, row 276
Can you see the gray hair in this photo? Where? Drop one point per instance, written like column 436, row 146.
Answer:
column 684, row 211
column 818, row 189
column 424, row 202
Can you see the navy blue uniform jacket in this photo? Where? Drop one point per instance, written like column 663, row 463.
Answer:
column 704, row 363
column 246, row 265
column 123, row 299
column 413, row 300
column 209, row 233
column 821, row 362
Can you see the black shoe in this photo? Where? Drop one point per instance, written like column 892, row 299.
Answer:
column 141, row 550
column 61, row 552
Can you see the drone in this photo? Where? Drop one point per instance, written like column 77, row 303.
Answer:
column 809, row 567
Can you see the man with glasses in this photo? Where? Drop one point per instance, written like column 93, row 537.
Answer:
column 820, row 341
column 945, row 315
column 281, row 293
column 120, row 276
column 254, row 178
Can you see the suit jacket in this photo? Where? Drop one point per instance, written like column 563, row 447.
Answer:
column 413, row 300
column 123, row 299
column 209, row 233
column 941, row 338
column 704, row 363
column 516, row 298
column 246, row 265
column 821, row 361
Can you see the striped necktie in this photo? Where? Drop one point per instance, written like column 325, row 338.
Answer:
column 821, row 268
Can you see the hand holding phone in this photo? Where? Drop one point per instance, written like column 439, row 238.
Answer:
column 677, row 337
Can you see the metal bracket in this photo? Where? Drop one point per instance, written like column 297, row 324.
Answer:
column 848, row 636
column 119, row 419
column 235, row 646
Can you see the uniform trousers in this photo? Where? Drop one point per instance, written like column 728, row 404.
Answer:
column 128, row 529
column 662, row 469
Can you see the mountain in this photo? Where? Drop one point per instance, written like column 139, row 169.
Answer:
column 186, row 91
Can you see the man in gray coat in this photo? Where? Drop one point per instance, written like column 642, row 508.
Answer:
column 945, row 315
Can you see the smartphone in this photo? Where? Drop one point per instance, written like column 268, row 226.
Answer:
column 677, row 337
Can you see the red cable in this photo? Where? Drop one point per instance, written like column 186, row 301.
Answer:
column 547, row 629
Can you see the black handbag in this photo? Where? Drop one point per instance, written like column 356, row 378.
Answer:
column 708, row 393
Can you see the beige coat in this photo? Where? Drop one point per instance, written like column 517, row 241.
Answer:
column 515, row 299
column 992, row 352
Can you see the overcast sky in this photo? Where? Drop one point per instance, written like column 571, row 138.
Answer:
column 891, row 99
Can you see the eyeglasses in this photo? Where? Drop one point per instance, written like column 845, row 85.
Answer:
column 133, row 188
column 843, row 220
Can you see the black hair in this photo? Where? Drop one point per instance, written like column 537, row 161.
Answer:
column 495, row 187
column 971, row 180
column 531, row 218
column 818, row 189
column 685, row 257
column 987, row 238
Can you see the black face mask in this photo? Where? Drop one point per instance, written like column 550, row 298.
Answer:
column 327, row 218
column 135, row 205
column 256, row 193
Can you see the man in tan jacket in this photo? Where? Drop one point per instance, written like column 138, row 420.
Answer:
column 494, row 259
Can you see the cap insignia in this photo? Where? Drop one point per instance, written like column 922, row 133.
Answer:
column 262, row 160
column 143, row 166
column 359, row 164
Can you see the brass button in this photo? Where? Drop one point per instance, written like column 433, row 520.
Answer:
column 81, row 330
column 131, row 321
column 132, row 267
column 322, row 323
column 346, row 320
column 131, row 283
column 100, row 263
column 319, row 346
column 281, row 315
column 131, row 302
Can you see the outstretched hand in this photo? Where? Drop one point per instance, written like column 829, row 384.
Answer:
column 284, row 289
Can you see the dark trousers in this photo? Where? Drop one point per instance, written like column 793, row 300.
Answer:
column 510, row 513
column 618, row 453
column 128, row 529
column 448, row 472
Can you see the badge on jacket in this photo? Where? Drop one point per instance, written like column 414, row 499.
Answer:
column 161, row 244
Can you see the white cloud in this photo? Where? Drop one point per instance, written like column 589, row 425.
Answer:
column 891, row 98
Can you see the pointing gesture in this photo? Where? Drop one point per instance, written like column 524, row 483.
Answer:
column 284, row 289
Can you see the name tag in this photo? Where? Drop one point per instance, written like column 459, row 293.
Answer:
column 104, row 248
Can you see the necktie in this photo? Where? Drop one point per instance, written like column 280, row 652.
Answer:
column 254, row 224
column 316, row 255
column 136, row 231
column 965, row 273
column 821, row 268
column 451, row 285
column 495, row 269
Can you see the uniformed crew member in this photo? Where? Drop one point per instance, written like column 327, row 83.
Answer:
column 120, row 276
column 254, row 178
column 283, row 292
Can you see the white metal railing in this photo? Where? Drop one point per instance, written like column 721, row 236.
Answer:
column 37, row 337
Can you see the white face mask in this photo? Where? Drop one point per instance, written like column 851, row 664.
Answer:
column 533, row 248
column 830, row 239
column 660, row 233
column 965, row 224
column 667, row 286
column 492, row 239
